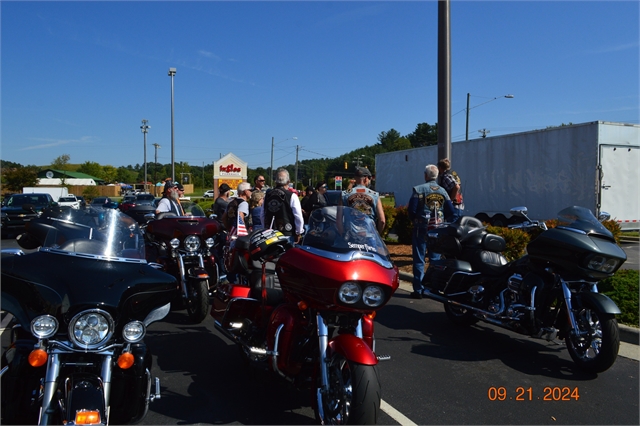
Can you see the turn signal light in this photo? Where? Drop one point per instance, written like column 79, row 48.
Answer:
column 87, row 417
column 302, row 305
column 371, row 315
column 125, row 360
column 37, row 358
column 204, row 276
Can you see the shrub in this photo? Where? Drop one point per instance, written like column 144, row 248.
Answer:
column 390, row 217
column 614, row 228
column 623, row 287
column 516, row 241
column 403, row 225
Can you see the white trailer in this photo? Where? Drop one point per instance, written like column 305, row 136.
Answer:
column 55, row 192
column 594, row 165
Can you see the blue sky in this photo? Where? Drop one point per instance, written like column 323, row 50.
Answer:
column 78, row 77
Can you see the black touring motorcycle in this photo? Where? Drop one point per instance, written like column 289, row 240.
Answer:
column 550, row 292
column 81, row 304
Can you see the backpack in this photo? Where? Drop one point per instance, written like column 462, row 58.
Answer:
column 277, row 211
column 459, row 199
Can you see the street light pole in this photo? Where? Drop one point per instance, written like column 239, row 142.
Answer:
column 155, row 169
column 172, row 73
column 145, row 129
column 490, row 100
column 296, row 179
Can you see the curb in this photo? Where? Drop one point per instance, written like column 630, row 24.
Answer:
column 628, row 334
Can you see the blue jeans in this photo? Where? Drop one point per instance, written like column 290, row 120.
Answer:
column 419, row 251
column 457, row 213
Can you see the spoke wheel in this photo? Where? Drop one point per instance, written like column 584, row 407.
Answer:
column 354, row 393
column 198, row 300
column 458, row 315
column 594, row 348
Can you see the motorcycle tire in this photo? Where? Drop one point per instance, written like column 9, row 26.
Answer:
column 459, row 316
column 354, row 393
column 197, row 302
column 599, row 349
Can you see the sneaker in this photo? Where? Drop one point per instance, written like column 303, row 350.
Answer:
column 416, row 295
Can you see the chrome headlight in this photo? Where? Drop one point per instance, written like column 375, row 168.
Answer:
column 90, row 329
column 134, row 331
column 602, row 264
column 175, row 243
column 349, row 293
column 192, row 242
column 44, row 326
column 210, row 242
column 373, row 296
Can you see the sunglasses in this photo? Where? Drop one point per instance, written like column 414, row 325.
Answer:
column 260, row 180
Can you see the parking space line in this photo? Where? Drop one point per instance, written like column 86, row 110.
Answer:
column 395, row 414
column 5, row 321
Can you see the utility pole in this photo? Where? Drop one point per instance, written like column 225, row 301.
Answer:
column 296, row 180
column 155, row 169
column 484, row 132
column 358, row 159
column 145, row 129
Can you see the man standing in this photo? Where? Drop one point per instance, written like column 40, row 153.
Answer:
column 362, row 198
column 428, row 204
column 220, row 205
column 258, row 183
column 282, row 209
column 169, row 201
column 450, row 181
column 235, row 217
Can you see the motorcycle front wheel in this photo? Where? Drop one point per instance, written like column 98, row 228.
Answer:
column 594, row 348
column 197, row 300
column 354, row 393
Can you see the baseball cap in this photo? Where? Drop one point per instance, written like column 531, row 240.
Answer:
column 169, row 185
column 362, row 171
column 179, row 186
column 223, row 188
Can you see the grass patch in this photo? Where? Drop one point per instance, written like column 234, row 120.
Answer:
column 623, row 288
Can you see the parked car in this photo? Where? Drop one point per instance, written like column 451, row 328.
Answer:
column 127, row 202
column 70, row 201
column 104, row 202
column 209, row 194
column 139, row 207
column 82, row 201
column 18, row 209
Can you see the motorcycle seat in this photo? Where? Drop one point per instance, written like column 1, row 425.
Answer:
column 491, row 263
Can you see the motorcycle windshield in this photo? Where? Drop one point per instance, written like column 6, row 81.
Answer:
column 582, row 219
column 192, row 209
column 344, row 229
column 106, row 234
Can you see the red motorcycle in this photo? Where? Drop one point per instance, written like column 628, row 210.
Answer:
column 186, row 247
column 309, row 315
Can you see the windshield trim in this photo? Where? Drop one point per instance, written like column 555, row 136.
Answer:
column 91, row 256
column 349, row 256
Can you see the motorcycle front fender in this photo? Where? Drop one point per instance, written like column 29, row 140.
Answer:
column 353, row 349
column 197, row 273
column 601, row 302
column 85, row 393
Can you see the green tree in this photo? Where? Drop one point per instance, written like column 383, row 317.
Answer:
column 92, row 168
column 388, row 139
column 109, row 173
column 424, row 135
column 16, row 178
column 61, row 162
column 125, row 175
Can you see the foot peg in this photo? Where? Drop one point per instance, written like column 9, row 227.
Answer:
column 383, row 357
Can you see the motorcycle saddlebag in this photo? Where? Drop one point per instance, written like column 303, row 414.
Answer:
column 444, row 241
column 447, row 273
